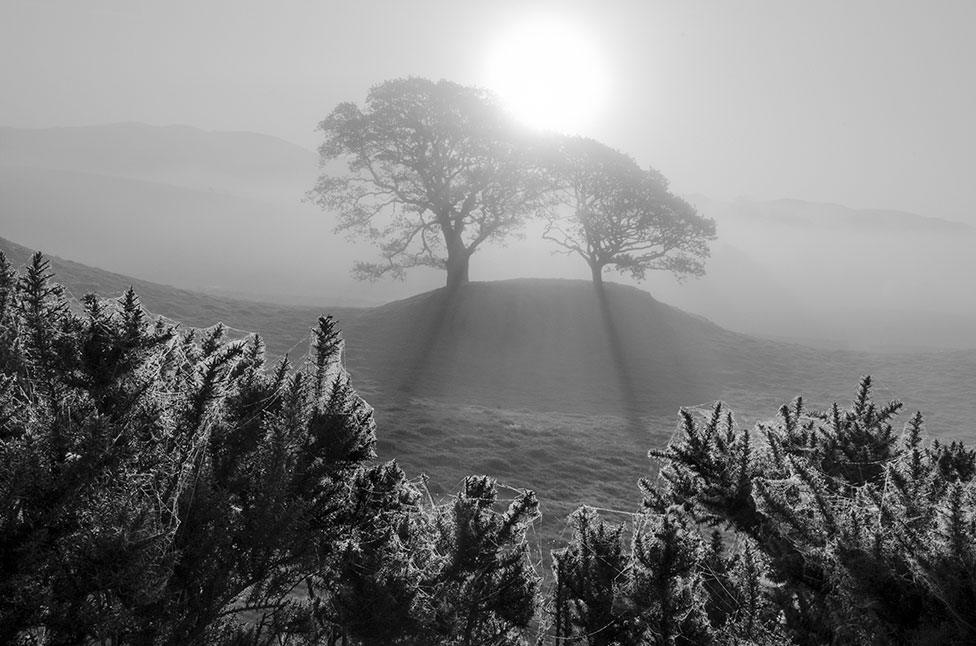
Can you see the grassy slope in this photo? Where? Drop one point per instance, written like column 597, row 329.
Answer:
column 518, row 379
column 534, row 382
column 280, row 326
column 548, row 345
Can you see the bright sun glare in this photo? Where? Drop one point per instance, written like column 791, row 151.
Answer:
column 549, row 74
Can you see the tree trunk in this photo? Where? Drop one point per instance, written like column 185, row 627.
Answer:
column 457, row 254
column 597, row 271
column 457, row 269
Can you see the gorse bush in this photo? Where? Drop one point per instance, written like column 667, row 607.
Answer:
column 160, row 486
column 866, row 537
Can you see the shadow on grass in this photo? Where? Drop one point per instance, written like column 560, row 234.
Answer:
column 431, row 337
column 625, row 382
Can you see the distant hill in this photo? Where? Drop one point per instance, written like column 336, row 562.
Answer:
column 220, row 212
column 193, row 238
column 835, row 276
column 243, row 163
column 817, row 216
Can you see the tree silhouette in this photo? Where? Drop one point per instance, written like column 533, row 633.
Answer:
column 434, row 170
column 622, row 216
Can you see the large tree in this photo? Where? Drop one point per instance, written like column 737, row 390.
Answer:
column 433, row 170
column 613, row 213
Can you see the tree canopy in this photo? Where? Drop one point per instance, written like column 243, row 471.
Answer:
column 622, row 216
column 433, row 171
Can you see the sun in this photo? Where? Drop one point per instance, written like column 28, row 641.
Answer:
column 549, row 74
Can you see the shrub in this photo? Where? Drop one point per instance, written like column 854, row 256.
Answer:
column 160, row 487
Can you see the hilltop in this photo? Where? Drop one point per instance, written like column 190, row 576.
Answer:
column 551, row 345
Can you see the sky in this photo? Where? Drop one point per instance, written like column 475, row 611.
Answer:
column 869, row 104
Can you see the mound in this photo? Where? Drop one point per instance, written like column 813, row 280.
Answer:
column 553, row 345
column 536, row 344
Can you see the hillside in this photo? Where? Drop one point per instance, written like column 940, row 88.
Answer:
column 537, row 383
column 534, row 344
column 550, row 345
column 174, row 194
column 281, row 326
column 243, row 163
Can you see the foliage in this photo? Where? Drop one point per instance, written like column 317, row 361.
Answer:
column 458, row 574
column 867, row 538
column 651, row 594
column 159, row 487
column 433, row 171
column 623, row 216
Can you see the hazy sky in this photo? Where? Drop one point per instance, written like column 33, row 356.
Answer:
column 864, row 103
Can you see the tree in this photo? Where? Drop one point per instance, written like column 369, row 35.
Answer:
column 433, row 171
column 622, row 216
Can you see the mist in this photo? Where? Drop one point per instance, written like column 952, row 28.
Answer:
column 871, row 115
column 467, row 323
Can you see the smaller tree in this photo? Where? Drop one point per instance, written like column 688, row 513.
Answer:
column 622, row 216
